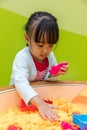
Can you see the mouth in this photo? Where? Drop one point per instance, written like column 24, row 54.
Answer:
column 43, row 55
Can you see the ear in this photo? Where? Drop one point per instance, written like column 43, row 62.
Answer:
column 26, row 38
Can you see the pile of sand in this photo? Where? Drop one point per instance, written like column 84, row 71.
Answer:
column 33, row 121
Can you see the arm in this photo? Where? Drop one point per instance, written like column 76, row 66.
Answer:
column 21, row 77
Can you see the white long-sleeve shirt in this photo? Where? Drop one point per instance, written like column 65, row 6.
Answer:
column 24, row 70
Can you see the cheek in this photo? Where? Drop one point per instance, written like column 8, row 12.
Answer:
column 36, row 51
column 50, row 49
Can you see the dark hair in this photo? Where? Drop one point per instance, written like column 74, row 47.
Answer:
column 43, row 26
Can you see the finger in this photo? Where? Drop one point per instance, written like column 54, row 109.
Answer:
column 52, row 117
column 55, row 107
column 43, row 116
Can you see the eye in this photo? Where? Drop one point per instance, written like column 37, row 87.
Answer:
column 40, row 45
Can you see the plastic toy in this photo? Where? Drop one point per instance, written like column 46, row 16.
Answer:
column 31, row 107
column 12, row 127
column 55, row 69
column 66, row 126
column 80, row 120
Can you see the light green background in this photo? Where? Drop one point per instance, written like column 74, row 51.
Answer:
column 72, row 46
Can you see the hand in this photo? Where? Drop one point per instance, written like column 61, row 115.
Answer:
column 45, row 109
column 63, row 69
column 59, row 69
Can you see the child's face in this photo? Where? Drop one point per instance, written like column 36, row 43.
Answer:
column 40, row 50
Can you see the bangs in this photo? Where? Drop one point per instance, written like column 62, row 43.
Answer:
column 46, row 32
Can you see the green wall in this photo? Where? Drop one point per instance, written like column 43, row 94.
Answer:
column 73, row 48
column 72, row 19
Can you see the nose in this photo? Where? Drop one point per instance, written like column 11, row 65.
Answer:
column 45, row 50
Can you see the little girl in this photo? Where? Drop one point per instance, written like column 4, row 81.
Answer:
column 34, row 61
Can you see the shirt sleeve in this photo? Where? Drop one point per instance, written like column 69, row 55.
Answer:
column 21, row 79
